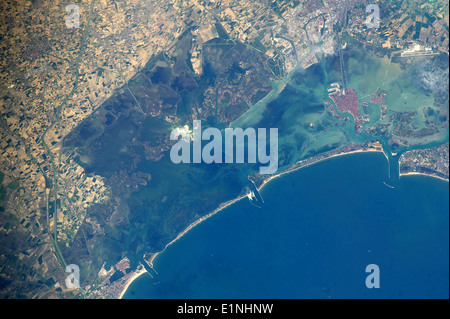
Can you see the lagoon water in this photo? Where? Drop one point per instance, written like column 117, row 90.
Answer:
column 318, row 230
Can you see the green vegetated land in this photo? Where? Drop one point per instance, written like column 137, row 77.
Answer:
column 127, row 142
column 127, row 139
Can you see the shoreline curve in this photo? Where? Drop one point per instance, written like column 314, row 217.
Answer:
column 152, row 256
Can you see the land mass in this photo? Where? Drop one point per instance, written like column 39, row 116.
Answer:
column 86, row 114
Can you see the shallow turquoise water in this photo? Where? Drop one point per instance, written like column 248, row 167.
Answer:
column 318, row 230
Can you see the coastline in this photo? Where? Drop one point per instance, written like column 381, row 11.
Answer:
column 192, row 225
column 424, row 174
column 298, row 165
column 296, row 168
column 152, row 256
column 130, row 280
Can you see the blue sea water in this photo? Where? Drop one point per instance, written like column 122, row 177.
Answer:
column 317, row 231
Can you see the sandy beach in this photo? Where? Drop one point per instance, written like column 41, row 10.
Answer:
column 265, row 182
column 226, row 204
column 136, row 274
column 195, row 223
column 296, row 168
column 424, row 174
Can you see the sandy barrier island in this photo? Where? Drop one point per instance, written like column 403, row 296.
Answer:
column 375, row 147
